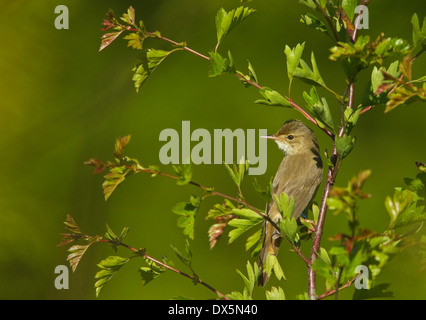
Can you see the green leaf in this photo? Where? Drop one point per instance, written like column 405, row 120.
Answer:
column 186, row 256
column 324, row 270
column 247, row 214
column 109, row 267
column 319, row 107
column 403, row 209
column 221, row 209
column 309, row 3
column 120, row 144
column 293, row 58
column 349, row 7
column 323, row 255
column 376, row 78
column 241, row 226
column 266, row 193
column 253, row 242
column 108, row 38
column 238, row 172
column 115, row 176
column 275, row 294
column 313, row 22
column 186, row 212
column 253, row 273
column 129, row 17
column 220, row 65
column 226, row 21
column 310, row 76
column 272, row 264
column 344, row 145
column 151, row 59
column 285, row 204
column 288, row 227
column 134, row 40
column 351, row 118
column 377, row 291
column 235, row 295
column 272, row 98
column 151, row 272
column 76, row 252
column 315, row 212
column 419, row 34
column 184, row 172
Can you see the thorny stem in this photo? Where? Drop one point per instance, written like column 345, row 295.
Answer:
column 167, row 267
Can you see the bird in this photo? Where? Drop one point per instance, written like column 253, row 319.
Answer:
column 299, row 175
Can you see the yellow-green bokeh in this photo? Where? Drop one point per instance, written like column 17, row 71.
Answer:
column 62, row 102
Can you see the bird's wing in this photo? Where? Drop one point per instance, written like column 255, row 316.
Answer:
column 300, row 180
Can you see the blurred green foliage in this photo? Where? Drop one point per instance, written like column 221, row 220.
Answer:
column 63, row 102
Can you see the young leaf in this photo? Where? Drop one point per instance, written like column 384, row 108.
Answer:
column 151, row 59
column 129, row 17
column 253, row 273
column 184, row 172
column 238, row 172
column 293, row 58
column 186, row 212
column 134, row 40
column 275, row 294
column 344, row 145
column 349, row 7
column 220, row 65
column 266, row 193
column 226, row 21
column 319, row 107
column 151, row 272
column 310, row 76
column 186, row 256
column 76, row 252
column 314, row 22
column 109, row 267
column 108, row 38
column 272, row 264
column 288, row 227
column 120, row 144
column 285, row 204
column 115, row 176
column 241, row 226
column 254, row 242
column 272, row 98
column 419, row 34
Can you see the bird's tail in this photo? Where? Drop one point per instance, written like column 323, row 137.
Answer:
column 271, row 245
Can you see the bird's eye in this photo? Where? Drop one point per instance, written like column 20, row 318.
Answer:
column 290, row 137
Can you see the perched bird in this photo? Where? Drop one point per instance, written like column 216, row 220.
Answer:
column 299, row 175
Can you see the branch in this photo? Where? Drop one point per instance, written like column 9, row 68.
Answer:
column 254, row 84
column 329, row 20
column 348, row 284
column 214, row 193
column 311, row 119
column 167, row 267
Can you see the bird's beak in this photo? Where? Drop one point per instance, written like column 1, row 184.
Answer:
column 269, row 137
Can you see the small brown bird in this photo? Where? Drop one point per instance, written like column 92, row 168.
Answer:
column 299, row 175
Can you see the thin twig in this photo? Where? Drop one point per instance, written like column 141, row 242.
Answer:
column 167, row 267
column 348, row 284
column 215, row 193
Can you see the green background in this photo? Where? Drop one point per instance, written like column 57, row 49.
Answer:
column 63, row 102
